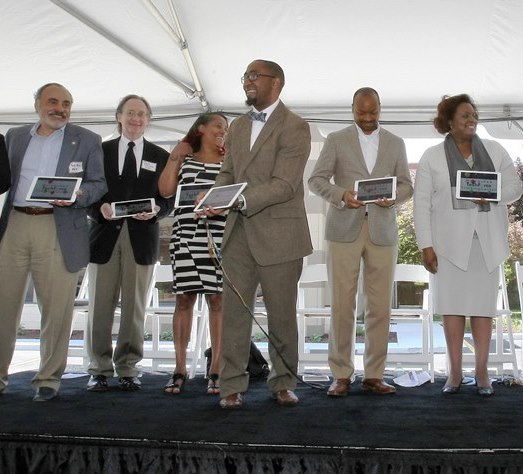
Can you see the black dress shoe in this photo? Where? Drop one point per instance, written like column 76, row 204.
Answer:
column 129, row 384
column 97, row 383
column 44, row 394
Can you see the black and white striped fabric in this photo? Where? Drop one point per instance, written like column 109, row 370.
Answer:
column 193, row 268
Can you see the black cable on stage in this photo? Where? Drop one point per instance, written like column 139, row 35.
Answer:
column 215, row 254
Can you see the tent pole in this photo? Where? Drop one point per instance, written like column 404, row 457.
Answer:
column 187, row 55
column 121, row 44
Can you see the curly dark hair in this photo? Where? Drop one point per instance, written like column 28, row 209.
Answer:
column 447, row 109
column 193, row 136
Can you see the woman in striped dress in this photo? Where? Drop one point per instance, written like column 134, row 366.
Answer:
column 196, row 159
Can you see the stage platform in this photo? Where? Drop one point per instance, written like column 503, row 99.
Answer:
column 417, row 430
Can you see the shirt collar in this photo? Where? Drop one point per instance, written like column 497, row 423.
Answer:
column 372, row 136
column 269, row 110
column 34, row 129
column 125, row 141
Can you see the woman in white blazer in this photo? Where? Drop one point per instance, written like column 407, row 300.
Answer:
column 463, row 242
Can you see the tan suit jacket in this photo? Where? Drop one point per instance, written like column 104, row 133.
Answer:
column 276, row 224
column 341, row 160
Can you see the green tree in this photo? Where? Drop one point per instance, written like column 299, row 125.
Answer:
column 408, row 251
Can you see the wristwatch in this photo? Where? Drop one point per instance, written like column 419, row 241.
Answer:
column 240, row 203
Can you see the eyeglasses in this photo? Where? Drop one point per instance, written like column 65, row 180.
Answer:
column 134, row 114
column 253, row 76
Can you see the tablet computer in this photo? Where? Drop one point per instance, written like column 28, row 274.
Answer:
column 478, row 185
column 370, row 190
column 186, row 193
column 133, row 207
column 221, row 197
column 52, row 188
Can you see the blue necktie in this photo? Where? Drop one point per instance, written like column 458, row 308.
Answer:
column 259, row 116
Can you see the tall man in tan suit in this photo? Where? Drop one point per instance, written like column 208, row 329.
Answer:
column 266, row 238
column 357, row 231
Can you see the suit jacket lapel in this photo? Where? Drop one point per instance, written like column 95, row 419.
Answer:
column 354, row 144
column 274, row 120
column 70, row 144
column 244, row 133
column 111, row 158
column 381, row 159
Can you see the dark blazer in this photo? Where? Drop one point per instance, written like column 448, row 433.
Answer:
column 83, row 148
column 5, row 170
column 144, row 235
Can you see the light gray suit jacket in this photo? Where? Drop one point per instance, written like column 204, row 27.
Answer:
column 341, row 159
column 276, row 224
column 79, row 146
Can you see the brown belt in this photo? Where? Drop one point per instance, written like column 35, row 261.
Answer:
column 34, row 211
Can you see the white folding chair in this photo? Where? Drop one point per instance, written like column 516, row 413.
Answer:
column 313, row 277
column 159, row 313
column 403, row 314
column 499, row 356
column 80, row 310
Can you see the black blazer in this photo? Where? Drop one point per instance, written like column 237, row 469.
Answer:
column 5, row 169
column 144, row 235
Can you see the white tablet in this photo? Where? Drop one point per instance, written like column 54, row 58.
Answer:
column 221, row 197
column 370, row 190
column 131, row 208
column 52, row 188
column 186, row 193
column 478, row 185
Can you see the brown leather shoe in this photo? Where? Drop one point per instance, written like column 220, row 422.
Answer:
column 286, row 397
column 234, row 400
column 377, row 386
column 339, row 388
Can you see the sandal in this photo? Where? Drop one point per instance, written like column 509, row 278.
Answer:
column 175, row 384
column 213, row 386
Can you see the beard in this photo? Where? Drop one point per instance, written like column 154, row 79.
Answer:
column 250, row 101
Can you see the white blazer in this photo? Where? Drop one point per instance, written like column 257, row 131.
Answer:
column 449, row 231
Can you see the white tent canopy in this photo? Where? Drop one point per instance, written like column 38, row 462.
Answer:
column 187, row 56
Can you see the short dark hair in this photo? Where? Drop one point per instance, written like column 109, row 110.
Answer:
column 124, row 100
column 366, row 91
column 275, row 69
column 194, row 137
column 447, row 109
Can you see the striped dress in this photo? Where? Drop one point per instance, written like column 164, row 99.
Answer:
column 193, row 268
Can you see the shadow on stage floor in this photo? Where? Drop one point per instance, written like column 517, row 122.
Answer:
column 416, row 430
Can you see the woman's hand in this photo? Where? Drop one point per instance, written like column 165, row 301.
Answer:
column 430, row 260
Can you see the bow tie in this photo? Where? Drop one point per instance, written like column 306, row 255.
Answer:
column 260, row 116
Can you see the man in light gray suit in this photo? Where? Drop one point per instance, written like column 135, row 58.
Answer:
column 267, row 236
column 47, row 240
column 357, row 231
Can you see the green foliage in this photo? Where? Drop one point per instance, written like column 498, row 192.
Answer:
column 516, row 208
column 408, row 248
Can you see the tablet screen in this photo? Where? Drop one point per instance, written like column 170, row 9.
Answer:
column 478, row 185
column 221, row 197
column 187, row 193
column 370, row 190
column 131, row 208
column 52, row 188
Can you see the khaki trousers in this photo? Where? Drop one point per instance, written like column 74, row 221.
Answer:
column 378, row 276
column 30, row 247
column 279, row 285
column 121, row 278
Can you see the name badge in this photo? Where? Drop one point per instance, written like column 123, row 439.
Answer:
column 147, row 165
column 76, row 167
